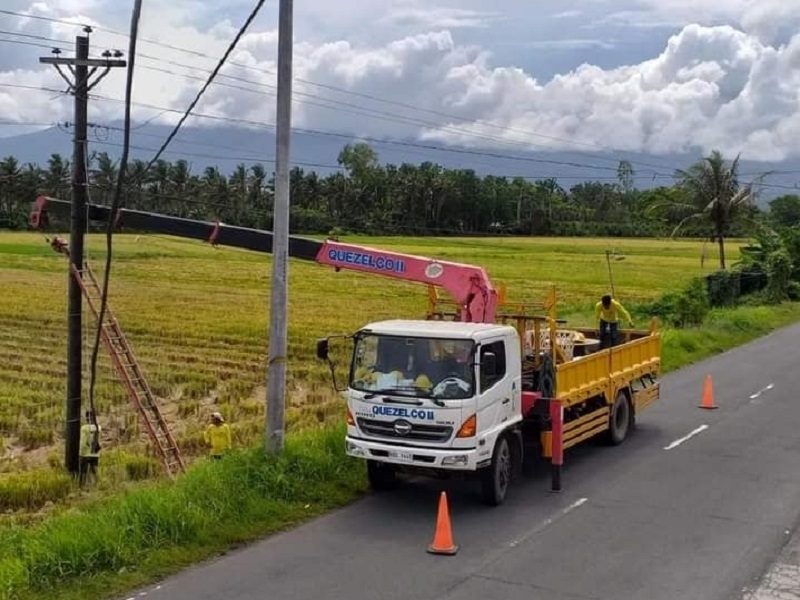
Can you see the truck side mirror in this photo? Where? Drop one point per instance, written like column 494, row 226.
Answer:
column 489, row 364
column 322, row 349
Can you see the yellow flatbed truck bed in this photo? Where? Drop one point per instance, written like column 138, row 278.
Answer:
column 602, row 392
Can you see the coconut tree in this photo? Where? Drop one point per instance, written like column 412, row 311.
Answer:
column 712, row 198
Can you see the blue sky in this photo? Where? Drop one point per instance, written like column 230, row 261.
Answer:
column 637, row 75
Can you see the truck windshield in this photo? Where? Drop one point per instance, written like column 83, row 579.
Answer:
column 414, row 366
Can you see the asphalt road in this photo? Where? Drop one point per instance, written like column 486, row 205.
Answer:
column 662, row 517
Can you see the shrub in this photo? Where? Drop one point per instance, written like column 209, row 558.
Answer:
column 684, row 308
column 779, row 272
column 724, row 288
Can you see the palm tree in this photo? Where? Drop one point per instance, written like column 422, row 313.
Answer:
column 711, row 197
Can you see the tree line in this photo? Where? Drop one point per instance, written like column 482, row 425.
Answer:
column 424, row 199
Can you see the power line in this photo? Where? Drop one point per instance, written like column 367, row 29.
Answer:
column 26, row 123
column 336, row 89
column 115, row 203
column 350, row 107
column 24, row 43
column 386, row 101
column 386, row 115
column 13, row 13
column 376, row 141
column 346, row 107
column 221, row 62
column 31, row 36
column 255, row 159
column 375, row 98
column 359, row 109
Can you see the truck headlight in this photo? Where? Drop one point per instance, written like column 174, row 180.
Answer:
column 354, row 449
column 458, row 459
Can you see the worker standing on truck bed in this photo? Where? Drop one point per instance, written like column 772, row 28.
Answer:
column 607, row 313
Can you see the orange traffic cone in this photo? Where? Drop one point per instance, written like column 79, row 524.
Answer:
column 708, row 394
column 443, row 536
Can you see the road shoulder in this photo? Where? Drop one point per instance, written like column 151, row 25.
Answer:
column 782, row 580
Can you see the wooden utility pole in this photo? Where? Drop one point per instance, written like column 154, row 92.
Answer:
column 79, row 86
column 276, row 376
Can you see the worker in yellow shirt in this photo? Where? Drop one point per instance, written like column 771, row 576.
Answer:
column 218, row 436
column 607, row 314
column 89, row 448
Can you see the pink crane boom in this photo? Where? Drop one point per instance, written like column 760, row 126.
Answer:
column 469, row 285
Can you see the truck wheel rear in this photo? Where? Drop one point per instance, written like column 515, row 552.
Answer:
column 496, row 478
column 382, row 476
column 620, row 420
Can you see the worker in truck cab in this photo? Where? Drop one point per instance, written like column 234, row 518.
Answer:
column 607, row 314
column 454, row 372
column 399, row 364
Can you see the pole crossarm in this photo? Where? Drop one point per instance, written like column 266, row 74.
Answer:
column 78, row 62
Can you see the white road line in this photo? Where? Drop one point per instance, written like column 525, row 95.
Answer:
column 549, row 521
column 677, row 443
column 761, row 391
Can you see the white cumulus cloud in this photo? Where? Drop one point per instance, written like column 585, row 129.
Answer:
column 711, row 87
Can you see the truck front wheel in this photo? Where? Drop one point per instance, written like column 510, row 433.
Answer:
column 496, row 478
column 382, row 476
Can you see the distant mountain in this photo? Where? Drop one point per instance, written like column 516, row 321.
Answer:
column 226, row 147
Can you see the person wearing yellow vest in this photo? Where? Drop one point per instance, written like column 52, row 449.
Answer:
column 607, row 314
column 89, row 447
column 218, row 436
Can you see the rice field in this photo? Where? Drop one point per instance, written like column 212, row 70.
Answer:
column 197, row 318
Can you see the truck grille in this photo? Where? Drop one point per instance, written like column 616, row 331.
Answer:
column 426, row 433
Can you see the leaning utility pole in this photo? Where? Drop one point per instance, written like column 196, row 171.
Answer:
column 276, row 375
column 79, row 68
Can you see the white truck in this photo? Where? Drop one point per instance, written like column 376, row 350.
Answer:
column 444, row 398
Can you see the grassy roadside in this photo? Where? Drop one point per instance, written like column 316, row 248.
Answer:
column 119, row 543
column 722, row 330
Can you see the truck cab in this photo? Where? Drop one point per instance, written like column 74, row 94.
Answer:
column 434, row 397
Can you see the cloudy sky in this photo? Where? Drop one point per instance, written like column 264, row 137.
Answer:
column 652, row 76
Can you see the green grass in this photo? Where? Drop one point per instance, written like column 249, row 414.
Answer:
column 112, row 544
column 724, row 329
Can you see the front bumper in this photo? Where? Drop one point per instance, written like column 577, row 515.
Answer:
column 458, row 459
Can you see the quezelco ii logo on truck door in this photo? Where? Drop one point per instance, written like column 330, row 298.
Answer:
column 402, row 427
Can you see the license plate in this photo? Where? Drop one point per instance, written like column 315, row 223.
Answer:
column 404, row 456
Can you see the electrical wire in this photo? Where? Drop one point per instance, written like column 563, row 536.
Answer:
column 208, row 82
column 336, row 89
column 376, row 141
column 375, row 98
column 387, row 142
column 115, row 204
column 429, row 147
